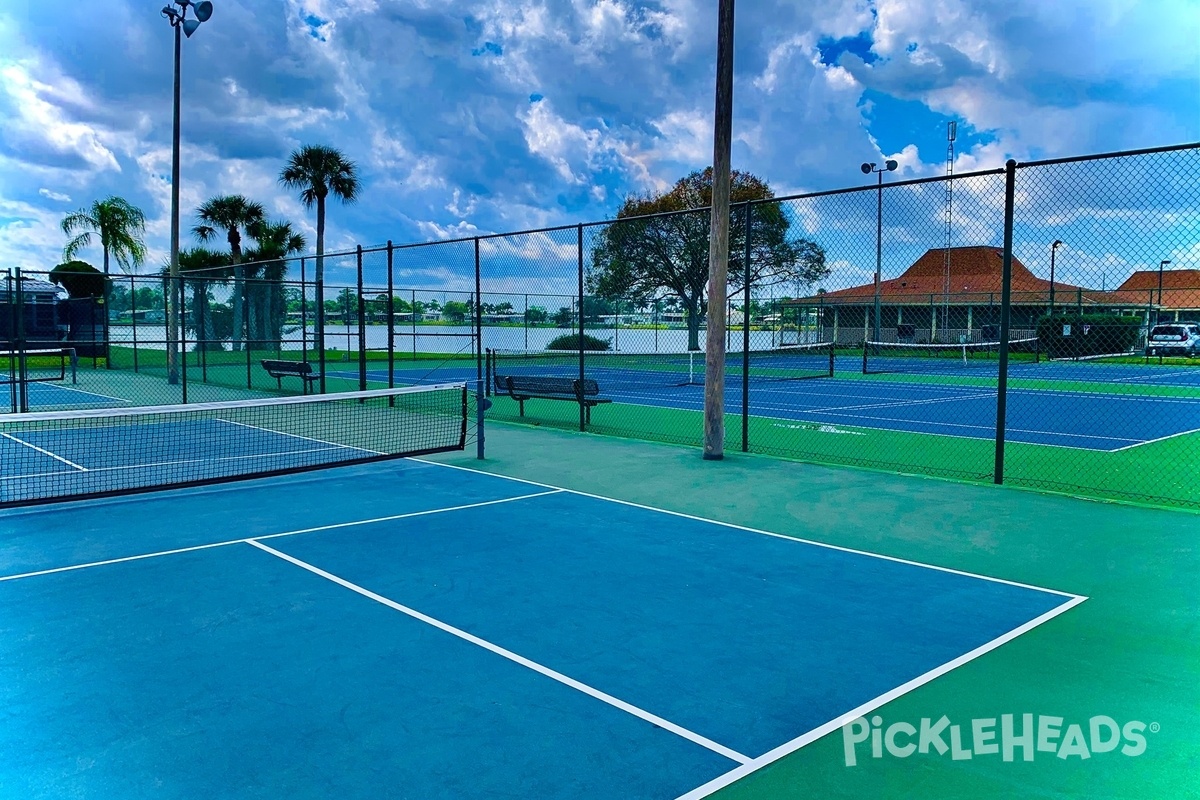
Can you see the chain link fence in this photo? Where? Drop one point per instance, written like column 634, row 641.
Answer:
column 1037, row 325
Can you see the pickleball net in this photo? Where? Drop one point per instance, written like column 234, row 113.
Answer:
column 65, row 455
column 645, row 371
column 901, row 357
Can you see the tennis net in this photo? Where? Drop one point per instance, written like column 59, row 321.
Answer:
column 65, row 455
column 979, row 357
column 37, row 365
column 624, row 370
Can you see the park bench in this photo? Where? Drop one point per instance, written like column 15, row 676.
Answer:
column 526, row 387
column 282, row 369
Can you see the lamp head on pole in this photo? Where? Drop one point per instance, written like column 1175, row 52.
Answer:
column 892, row 166
column 1164, row 262
column 867, row 167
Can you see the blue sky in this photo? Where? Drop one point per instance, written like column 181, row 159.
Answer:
column 469, row 117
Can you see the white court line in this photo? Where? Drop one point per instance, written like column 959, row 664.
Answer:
column 243, row 540
column 864, row 426
column 603, row 697
column 1152, row 441
column 901, row 403
column 81, row 391
column 298, row 436
column 758, row 531
column 866, row 708
column 44, row 452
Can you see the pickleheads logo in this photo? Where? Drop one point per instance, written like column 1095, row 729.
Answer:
column 1027, row 734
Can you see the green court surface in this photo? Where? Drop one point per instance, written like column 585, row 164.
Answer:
column 1163, row 473
column 1130, row 652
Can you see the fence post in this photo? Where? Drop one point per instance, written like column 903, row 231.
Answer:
column 181, row 303
column 133, row 318
column 1010, row 181
column 303, row 313
column 579, row 274
column 478, row 317
column 746, row 336
column 320, row 338
column 391, row 318
column 362, row 322
column 22, row 366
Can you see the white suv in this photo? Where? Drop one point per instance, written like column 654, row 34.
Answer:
column 1176, row 338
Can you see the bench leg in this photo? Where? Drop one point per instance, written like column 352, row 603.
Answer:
column 587, row 415
column 521, row 403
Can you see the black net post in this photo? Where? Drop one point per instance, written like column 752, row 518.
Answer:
column 746, row 335
column 1010, row 180
column 579, row 275
column 362, row 322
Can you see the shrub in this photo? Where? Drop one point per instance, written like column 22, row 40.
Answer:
column 570, row 341
column 1091, row 334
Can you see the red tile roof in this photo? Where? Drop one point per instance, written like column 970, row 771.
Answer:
column 1181, row 287
column 975, row 278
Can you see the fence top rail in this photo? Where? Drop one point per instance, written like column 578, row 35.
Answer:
column 1115, row 154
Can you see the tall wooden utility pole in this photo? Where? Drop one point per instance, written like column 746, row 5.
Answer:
column 718, row 243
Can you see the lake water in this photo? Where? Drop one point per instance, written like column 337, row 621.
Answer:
column 457, row 339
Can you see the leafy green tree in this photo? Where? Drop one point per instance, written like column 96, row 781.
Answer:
column 564, row 317
column 231, row 214
column 536, row 314
column 650, row 251
column 455, row 310
column 81, row 280
column 120, row 227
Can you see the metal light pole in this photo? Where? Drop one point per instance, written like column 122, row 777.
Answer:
column 1158, row 312
column 868, row 168
column 176, row 15
column 1053, row 248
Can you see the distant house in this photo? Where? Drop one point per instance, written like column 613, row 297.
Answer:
column 922, row 305
column 40, row 317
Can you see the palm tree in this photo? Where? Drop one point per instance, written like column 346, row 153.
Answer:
column 274, row 242
column 230, row 213
column 120, row 227
column 203, row 269
column 317, row 172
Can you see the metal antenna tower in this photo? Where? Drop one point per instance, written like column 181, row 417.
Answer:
column 951, row 135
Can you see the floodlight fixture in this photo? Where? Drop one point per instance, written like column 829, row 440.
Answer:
column 190, row 26
column 867, row 167
column 204, row 10
column 892, row 166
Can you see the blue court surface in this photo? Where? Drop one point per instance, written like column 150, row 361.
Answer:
column 44, row 395
column 406, row 629
column 1091, row 420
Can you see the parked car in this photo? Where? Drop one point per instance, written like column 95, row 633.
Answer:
column 1174, row 339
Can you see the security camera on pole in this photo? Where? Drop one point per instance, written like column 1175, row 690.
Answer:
column 868, row 168
column 176, row 15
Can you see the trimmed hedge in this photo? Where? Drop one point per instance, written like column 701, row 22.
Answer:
column 570, row 341
column 1091, row 334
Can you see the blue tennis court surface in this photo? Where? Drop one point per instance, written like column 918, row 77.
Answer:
column 925, row 403
column 419, row 630
column 43, row 395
